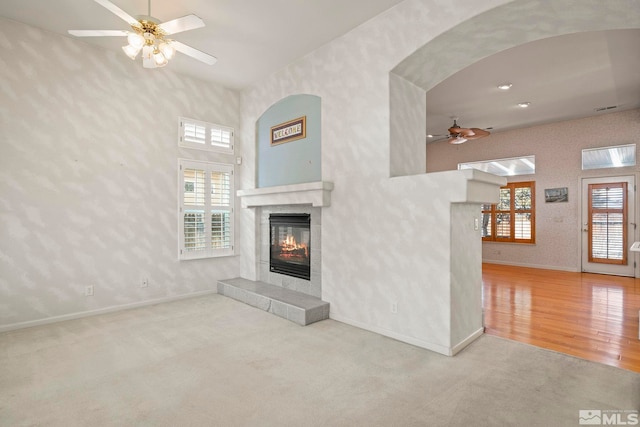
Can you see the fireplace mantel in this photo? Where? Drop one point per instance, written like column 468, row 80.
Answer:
column 316, row 194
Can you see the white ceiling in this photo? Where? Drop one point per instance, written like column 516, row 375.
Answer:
column 563, row 77
column 250, row 38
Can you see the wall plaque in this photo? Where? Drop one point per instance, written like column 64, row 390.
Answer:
column 289, row 131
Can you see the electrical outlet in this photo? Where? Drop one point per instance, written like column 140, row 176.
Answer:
column 144, row 283
column 394, row 307
column 88, row 291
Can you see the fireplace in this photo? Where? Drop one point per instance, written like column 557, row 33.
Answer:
column 290, row 238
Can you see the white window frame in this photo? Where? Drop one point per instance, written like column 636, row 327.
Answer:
column 504, row 167
column 207, row 206
column 614, row 155
column 212, row 137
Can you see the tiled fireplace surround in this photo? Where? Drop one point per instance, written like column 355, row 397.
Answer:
column 296, row 299
column 311, row 287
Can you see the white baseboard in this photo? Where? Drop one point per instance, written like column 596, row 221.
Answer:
column 396, row 336
column 81, row 314
column 465, row 342
column 522, row 264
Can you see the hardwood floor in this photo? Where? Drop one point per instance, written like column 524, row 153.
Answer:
column 591, row 316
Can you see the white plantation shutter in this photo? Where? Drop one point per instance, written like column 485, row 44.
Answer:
column 206, row 209
column 512, row 219
column 193, row 200
column 205, row 136
column 194, row 133
column 221, row 209
column 607, row 223
column 221, row 137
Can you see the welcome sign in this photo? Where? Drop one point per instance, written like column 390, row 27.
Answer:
column 289, row 131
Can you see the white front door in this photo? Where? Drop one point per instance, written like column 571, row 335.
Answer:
column 608, row 225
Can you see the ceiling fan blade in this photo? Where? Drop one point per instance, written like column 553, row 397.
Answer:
column 461, row 131
column 186, row 23
column 194, row 53
column 98, row 33
column 117, row 11
column 478, row 133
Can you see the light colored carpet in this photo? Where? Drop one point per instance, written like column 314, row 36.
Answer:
column 212, row 361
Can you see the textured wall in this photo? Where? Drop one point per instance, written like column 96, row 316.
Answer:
column 466, row 296
column 384, row 239
column 408, row 109
column 88, row 177
column 557, row 148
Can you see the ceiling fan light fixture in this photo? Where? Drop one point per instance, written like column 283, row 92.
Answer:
column 457, row 140
column 131, row 51
column 148, row 36
column 167, row 50
column 147, row 57
column 459, row 135
column 159, row 58
column 135, row 40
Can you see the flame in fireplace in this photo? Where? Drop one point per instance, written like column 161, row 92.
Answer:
column 290, row 247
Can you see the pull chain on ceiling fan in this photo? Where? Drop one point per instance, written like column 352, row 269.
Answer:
column 148, row 36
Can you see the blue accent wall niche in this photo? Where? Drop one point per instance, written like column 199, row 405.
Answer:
column 293, row 162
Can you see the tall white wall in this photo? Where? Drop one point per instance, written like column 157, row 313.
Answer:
column 88, row 178
column 384, row 239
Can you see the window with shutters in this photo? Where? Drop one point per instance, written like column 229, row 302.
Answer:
column 608, row 223
column 205, row 136
column 512, row 219
column 206, row 209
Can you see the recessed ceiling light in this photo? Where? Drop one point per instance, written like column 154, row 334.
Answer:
column 429, row 136
column 505, row 86
column 524, row 104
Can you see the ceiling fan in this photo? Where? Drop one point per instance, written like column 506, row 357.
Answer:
column 458, row 135
column 149, row 36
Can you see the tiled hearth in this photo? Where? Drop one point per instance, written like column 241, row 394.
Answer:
column 298, row 300
column 291, row 305
column 311, row 287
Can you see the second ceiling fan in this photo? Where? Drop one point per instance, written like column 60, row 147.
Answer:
column 459, row 135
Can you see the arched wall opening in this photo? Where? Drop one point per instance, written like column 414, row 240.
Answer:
column 501, row 28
